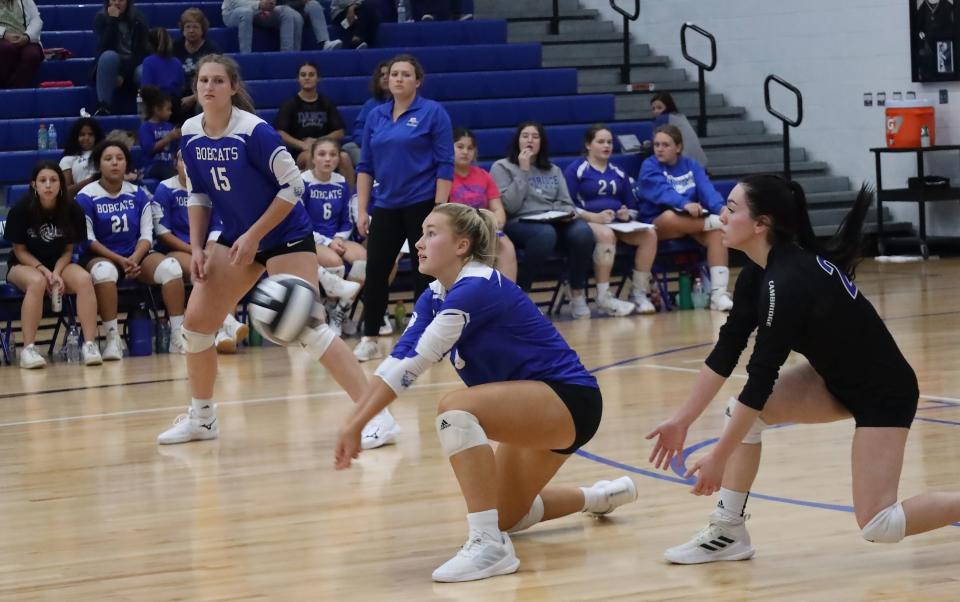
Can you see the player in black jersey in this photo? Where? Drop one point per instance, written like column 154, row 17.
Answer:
column 801, row 297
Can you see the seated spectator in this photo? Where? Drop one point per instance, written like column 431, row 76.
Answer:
column 529, row 184
column 605, row 195
column 677, row 197
column 85, row 133
column 379, row 94
column 192, row 46
column 171, row 225
column 473, row 186
column 157, row 136
column 665, row 112
column 326, row 196
column 20, row 50
column 163, row 70
column 121, row 32
column 307, row 116
column 355, row 22
column 120, row 234
column 43, row 227
column 313, row 10
column 244, row 14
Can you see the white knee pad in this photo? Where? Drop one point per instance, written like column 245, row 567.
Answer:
column 604, row 254
column 459, row 430
column 316, row 341
column 888, row 526
column 534, row 516
column 753, row 435
column 358, row 271
column 104, row 271
column 195, row 342
column 167, row 270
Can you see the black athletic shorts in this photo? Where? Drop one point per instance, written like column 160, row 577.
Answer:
column 889, row 407
column 302, row 245
column 586, row 407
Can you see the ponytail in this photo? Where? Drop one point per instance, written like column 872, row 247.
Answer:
column 845, row 247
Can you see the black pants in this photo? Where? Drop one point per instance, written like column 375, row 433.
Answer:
column 388, row 229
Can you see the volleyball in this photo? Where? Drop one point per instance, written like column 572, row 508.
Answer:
column 283, row 306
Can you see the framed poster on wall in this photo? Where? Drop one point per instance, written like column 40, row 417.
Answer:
column 934, row 40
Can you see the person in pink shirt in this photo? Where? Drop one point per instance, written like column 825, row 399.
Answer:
column 475, row 187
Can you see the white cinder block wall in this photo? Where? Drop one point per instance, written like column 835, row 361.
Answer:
column 834, row 52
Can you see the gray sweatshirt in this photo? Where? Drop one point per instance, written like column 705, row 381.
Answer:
column 529, row 192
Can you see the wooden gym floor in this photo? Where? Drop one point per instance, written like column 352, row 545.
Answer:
column 92, row 509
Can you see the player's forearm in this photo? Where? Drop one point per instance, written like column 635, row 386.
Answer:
column 705, row 388
column 278, row 210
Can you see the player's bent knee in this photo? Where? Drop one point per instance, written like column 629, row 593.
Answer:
column 316, row 341
column 103, row 272
column 604, row 254
column 195, row 342
column 167, row 270
column 753, row 436
column 888, row 526
column 532, row 517
column 459, row 431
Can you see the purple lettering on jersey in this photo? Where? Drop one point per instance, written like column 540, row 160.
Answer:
column 829, row 268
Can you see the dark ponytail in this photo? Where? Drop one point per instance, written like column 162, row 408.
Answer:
column 784, row 203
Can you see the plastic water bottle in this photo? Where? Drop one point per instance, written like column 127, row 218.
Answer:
column 163, row 336
column 401, row 11
column 42, row 137
column 699, row 294
column 52, row 137
column 73, row 345
column 924, row 137
column 400, row 316
column 139, row 104
column 685, row 294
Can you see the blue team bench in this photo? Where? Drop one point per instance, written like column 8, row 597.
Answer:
column 283, row 65
column 451, row 33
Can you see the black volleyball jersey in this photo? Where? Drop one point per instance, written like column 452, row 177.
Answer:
column 804, row 303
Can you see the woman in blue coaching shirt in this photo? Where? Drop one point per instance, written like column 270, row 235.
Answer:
column 408, row 149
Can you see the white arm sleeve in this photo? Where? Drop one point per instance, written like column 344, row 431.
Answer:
column 435, row 342
column 285, row 169
column 90, row 235
column 196, row 198
column 146, row 224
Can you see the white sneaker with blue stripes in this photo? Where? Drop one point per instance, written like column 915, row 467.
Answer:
column 724, row 538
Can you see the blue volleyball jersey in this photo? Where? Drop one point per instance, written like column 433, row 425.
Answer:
column 118, row 221
column 150, row 133
column 240, row 173
column 595, row 190
column 492, row 331
column 170, row 211
column 328, row 204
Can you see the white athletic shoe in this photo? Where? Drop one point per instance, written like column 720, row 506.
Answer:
column 113, row 350
column 579, row 308
column 367, row 349
column 479, row 558
column 721, row 539
column 387, row 328
column 381, row 430
column 720, row 301
column 190, row 427
column 615, row 493
column 30, row 358
column 335, row 286
column 332, row 44
column 224, row 342
column 643, row 303
column 90, row 354
column 177, row 345
column 612, row 306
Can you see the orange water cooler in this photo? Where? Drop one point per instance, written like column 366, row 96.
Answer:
column 906, row 120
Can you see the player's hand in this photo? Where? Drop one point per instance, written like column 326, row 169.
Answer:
column 711, row 469
column 623, row 213
column 693, row 209
column 347, row 448
column 606, row 216
column 54, row 282
column 244, row 250
column 337, row 246
column 198, row 265
column 670, row 437
column 363, row 224
column 131, row 267
column 524, row 159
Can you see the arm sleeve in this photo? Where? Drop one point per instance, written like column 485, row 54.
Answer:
column 273, row 159
column 344, row 224
column 782, row 314
column 739, row 325
column 86, row 205
column 146, row 216
column 573, row 183
column 513, row 190
column 197, row 194
column 367, row 164
column 655, row 188
column 161, row 204
column 706, row 193
column 360, row 120
column 34, row 22
column 442, row 134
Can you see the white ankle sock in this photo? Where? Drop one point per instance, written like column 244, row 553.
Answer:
column 202, row 406
column 487, row 522
column 641, row 282
column 110, row 326
column 732, row 503
column 603, row 289
column 719, row 278
column 591, row 499
column 176, row 322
